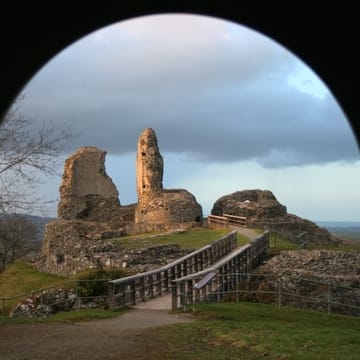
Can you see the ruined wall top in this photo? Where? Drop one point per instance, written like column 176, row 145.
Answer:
column 149, row 167
column 86, row 187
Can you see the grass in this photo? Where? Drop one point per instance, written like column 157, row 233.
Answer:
column 278, row 244
column 242, row 239
column 190, row 239
column 22, row 277
column 254, row 331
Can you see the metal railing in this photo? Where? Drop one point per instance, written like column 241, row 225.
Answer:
column 187, row 290
column 136, row 288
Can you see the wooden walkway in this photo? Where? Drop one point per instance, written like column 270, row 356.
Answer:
column 164, row 302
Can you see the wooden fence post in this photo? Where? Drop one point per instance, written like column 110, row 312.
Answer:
column 174, row 296
column 111, row 295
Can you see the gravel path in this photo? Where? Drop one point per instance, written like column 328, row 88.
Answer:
column 123, row 337
column 249, row 233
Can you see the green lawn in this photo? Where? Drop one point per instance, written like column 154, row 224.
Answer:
column 255, row 331
column 190, row 239
column 278, row 244
column 22, row 277
column 247, row 331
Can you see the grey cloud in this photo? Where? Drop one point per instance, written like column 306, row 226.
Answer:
column 218, row 96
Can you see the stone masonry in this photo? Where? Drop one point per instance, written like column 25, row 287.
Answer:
column 263, row 210
column 149, row 168
column 155, row 204
column 86, row 191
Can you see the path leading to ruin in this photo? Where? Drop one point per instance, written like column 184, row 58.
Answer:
column 159, row 303
column 123, row 337
column 249, row 233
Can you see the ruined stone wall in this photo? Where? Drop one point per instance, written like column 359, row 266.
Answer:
column 71, row 246
column 86, row 191
column 173, row 207
column 262, row 210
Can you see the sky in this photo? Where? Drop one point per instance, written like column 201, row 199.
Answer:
column 232, row 110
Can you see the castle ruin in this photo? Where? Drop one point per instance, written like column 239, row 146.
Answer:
column 90, row 213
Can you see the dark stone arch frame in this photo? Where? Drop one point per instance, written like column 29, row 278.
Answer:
column 323, row 36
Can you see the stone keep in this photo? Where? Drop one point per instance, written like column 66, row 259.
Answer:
column 155, row 204
column 86, row 191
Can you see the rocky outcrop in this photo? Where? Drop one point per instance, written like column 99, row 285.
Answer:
column 262, row 210
column 252, row 204
column 171, row 208
column 86, row 191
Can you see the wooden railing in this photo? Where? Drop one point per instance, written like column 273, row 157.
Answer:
column 226, row 220
column 136, row 288
column 187, row 290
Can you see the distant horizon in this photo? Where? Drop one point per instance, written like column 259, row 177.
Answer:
column 323, row 223
column 350, row 223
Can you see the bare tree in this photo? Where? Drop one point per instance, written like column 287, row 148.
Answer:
column 17, row 237
column 26, row 152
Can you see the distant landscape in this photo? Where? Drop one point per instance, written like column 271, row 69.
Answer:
column 346, row 229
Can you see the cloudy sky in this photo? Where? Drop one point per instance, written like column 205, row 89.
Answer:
column 232, row 110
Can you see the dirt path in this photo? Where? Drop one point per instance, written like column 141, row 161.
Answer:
column 249, row 233
column 123, row 337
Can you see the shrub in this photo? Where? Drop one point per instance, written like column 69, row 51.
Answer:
column 93, row 283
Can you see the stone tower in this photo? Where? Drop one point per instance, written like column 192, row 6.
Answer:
column 149, row 168
column 158, row 207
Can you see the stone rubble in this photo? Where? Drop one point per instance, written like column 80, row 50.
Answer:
column 307, row 273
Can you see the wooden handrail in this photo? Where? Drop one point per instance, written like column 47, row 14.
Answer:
column 241, row 260
column 138, row 287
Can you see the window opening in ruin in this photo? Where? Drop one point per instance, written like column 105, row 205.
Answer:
column 60, row 258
